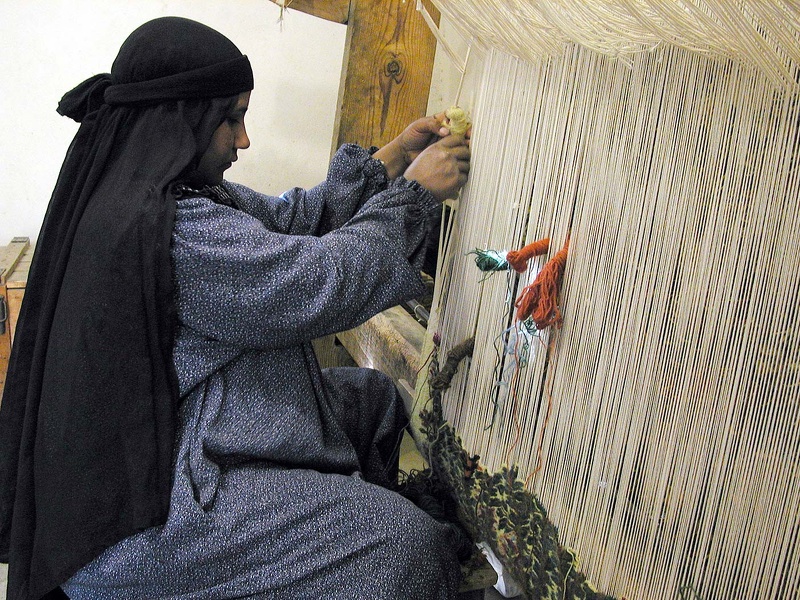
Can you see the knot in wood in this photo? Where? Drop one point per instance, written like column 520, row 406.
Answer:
column 393, row 68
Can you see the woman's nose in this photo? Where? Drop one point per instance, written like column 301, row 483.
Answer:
column 242, row 140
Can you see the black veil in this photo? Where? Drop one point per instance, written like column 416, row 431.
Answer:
column 87, row 420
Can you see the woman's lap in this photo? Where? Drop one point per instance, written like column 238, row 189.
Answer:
column 278, row 533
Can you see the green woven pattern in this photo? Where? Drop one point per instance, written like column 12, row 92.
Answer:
column 496, row 508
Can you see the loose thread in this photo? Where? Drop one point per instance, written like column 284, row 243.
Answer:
column 284, row 5
column 573, row 564
column 500, row 373
column 688, row 588
column 539, row 300
column 539, row 461
column 437, row 338
column 436, row 341
column 518, row 259
column 514, row 405
column 514, row 417
column 501, row 340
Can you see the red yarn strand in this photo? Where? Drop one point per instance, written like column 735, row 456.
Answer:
column 539, row 300
column 518, row 259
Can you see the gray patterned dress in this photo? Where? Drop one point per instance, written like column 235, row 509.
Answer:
column 279, row 465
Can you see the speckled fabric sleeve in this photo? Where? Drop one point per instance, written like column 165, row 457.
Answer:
column 241, row 279
column 353, row 178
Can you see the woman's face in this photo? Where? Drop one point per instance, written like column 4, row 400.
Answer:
column 228, row 138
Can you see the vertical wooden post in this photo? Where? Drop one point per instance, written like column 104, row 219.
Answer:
column 387, row 71
column 388, row 63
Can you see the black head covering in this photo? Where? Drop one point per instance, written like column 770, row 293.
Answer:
column 87, row 422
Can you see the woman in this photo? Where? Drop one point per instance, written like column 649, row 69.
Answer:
column 166, row 430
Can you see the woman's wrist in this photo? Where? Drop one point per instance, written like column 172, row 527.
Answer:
column 393, row 158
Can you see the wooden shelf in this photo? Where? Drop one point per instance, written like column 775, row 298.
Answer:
column 15, row 263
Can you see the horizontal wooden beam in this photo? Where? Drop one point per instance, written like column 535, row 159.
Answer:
column 390, row 341
column 337, row 11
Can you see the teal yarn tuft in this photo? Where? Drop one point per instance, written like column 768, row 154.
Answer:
column 490, row 260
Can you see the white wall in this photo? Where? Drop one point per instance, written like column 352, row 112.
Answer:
column 447, row 87
column 49, row 46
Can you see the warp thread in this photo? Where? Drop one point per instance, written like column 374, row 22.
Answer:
column 441, row 381
column 539, row 300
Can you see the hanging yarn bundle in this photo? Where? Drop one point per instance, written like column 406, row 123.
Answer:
column 494, row 260
column 539, row 300
column 456, row 120
column 489, row 261
column 518, row 259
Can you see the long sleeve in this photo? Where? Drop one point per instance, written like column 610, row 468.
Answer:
column 353, row 177
column 258, row 281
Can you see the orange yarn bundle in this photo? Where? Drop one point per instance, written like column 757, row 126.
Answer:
column 539, row 300
column 518, row 259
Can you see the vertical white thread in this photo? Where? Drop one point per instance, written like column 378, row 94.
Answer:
column 670, row 459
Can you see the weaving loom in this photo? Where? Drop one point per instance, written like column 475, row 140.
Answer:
column 653, row 441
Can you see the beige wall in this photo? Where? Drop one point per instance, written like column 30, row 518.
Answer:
column 49, row 46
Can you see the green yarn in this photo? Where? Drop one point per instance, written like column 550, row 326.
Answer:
column 490, row 260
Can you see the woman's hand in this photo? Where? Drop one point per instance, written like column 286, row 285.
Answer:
column 421, row 134
column 398, row 154
column 442, row 167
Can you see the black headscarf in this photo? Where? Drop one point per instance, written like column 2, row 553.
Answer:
column 88, row 417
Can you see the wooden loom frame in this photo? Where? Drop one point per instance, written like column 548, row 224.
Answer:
column 385, row 84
